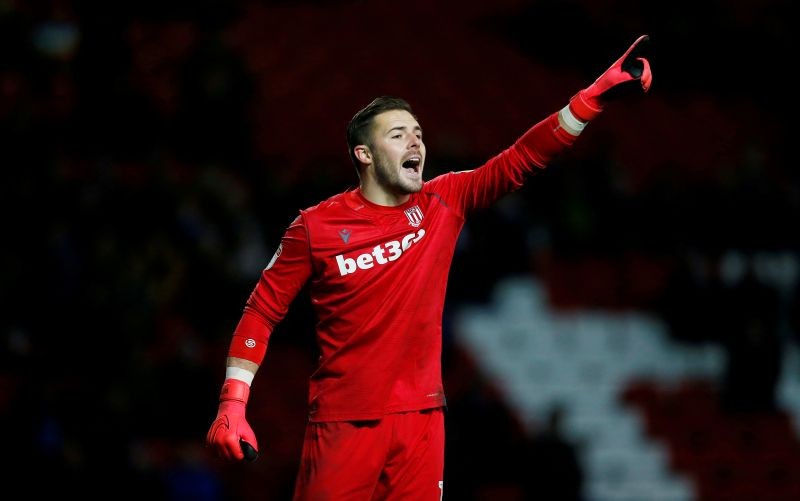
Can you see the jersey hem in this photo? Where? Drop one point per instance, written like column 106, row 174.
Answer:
column 371, row 416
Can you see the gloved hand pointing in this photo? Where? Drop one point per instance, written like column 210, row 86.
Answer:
column 630, row 70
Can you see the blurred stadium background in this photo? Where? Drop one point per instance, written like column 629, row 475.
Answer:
column 625, row 327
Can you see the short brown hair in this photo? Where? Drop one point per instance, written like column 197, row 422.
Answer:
column 358, row 130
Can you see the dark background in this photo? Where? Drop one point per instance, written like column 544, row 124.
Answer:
column 154, row 152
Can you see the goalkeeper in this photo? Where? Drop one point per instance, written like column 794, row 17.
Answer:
column 376, row 259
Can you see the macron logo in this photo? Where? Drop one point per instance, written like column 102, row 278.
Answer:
column 381, row 254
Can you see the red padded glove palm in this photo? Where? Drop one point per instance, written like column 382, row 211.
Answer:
column 627, row 70
column 230, row 427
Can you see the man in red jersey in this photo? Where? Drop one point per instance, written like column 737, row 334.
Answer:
column 377, row 259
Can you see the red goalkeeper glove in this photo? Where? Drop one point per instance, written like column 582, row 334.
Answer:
column 230, row 436
column 629, row 70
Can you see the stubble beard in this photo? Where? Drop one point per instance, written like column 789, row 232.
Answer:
column 391, row 180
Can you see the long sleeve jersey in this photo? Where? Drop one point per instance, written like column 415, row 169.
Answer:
column 377, row 277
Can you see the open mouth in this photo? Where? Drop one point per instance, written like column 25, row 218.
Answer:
column 412, row 164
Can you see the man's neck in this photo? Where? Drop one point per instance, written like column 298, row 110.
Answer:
column 380, row 196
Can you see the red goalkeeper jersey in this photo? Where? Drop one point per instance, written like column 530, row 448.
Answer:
column 377, row 278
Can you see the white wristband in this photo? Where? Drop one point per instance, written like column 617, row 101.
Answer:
column 569, row 122
column 241, row 374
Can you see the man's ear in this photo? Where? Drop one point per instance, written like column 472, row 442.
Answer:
column 363, row 154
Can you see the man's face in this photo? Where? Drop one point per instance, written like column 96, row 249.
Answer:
column 398, row 152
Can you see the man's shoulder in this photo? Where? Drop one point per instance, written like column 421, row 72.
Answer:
column 332, row 203
column 443, row 182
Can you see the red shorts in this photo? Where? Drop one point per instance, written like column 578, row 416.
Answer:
column 398, row 457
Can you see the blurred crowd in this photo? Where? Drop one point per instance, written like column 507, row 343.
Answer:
column 140, row 206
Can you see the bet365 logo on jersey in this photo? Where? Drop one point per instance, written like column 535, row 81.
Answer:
column 381, row 254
